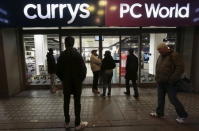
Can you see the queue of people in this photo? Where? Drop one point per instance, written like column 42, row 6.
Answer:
column 71, row 70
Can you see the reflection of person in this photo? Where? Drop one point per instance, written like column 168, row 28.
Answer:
column 95, row 63
column 131, row 73
column 169, row 68
column 71, row 70
column 51, row 69
column 108, row 64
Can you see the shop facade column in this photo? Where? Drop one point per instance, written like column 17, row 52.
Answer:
column 10, row 63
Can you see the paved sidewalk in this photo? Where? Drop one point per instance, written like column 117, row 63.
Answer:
column 39, row 110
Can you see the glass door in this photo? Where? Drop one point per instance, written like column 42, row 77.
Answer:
column 149, row 53
column 112, row 44
column 89, row 43
column 127, row 42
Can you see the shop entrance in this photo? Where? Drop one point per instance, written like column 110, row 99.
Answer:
column 144, row 44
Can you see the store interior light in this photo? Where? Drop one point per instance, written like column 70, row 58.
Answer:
column 102, row 3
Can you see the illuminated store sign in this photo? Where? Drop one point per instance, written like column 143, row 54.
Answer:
column 51, row 11
column 127, row 13
column 155, row 11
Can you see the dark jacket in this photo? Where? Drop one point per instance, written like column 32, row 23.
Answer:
column 169, row 68
column 51, row 63
column 131, row 67
column 71, row 67
column 107, row 63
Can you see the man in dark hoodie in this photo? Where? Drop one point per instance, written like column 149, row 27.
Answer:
column 71, row 70
column 51, row 68
column 131, row 73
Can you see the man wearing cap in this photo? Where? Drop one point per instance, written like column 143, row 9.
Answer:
column 95, row 63
column 169, row 68
column 71, row 70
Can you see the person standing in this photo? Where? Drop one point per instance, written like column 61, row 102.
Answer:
column 108, row 64
column 131, row 73
column 51, row 69
column 71, row 70
column 95, row 63
column 169, row 68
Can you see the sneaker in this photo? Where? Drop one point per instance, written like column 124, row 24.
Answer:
column 181, row 120
column 154, row 114
column 127, row 93
column 81, row 126
column 109, row 94
column 66, row 125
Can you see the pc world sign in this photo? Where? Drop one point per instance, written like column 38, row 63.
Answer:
column 127, row 13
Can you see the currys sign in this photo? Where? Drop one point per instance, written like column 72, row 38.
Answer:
column 152, row 13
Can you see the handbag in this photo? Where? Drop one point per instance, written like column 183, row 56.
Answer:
column 183, row 85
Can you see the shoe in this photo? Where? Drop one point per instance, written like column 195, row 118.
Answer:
column 181, row 120
column 127, row 93
column 154, row 114
column 66, row 125
column 136, row 96
column 81, row 126
column 109, row 94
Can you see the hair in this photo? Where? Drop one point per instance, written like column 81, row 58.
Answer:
column 69, row 41
column 50, row 50
column 162, row 45
column 107, row 53
column 131, row 50
column 93, row 51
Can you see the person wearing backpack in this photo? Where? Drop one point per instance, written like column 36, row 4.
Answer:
column 71, row 70
column 169, row 68
column 108, row 64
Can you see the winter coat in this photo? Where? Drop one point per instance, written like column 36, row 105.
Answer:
column 131, row 67
column 51, row 63
column 95, row 63
column 108, row 64
column 169, row 68
column 71, row 67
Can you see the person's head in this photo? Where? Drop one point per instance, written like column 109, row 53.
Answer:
column 94, row 52
column 171, row 47
column 50, row 50
column 69, row 42
column 107, row 54
column 131, row 51
column 163, row 49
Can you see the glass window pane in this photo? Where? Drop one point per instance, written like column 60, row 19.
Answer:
column 36, row 47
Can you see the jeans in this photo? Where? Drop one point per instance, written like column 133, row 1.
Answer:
column 95, row 80
column 107, row 77
column 171, row 91
column 74, row 89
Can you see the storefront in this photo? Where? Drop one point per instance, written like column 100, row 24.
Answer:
column 103, row 25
